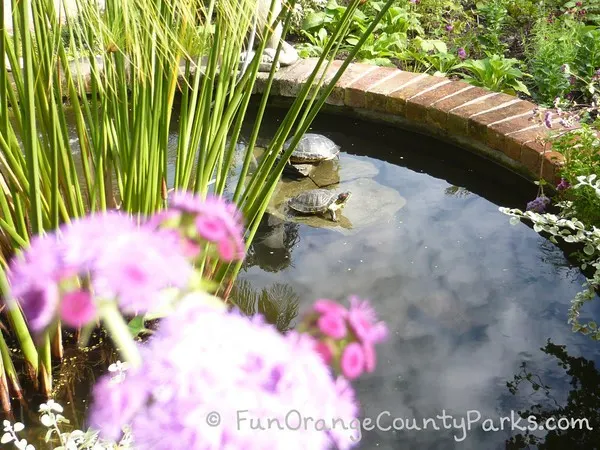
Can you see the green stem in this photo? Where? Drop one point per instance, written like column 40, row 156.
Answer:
column 119, row 333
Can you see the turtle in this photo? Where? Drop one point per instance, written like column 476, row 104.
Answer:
column 312, row 148
column 319, row 201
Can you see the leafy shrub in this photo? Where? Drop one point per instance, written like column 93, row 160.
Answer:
column 495, row 73
column 581, row 149
column 552, row 45
column 495, row 17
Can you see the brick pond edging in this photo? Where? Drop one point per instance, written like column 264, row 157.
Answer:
column 494, row 124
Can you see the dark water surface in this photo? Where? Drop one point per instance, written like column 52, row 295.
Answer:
column 471, row 301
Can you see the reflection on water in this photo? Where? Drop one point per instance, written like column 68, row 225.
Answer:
column 582, row 402
column 271, row 248
column 467, row 297
column 278, row 304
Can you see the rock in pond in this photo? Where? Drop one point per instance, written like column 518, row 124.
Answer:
column 370, row 203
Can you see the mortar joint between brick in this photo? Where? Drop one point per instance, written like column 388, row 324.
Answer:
column 360, row 76
column 476, row 100
column 409, row 82
column 466, row 88
column 429, row 89
column 496, row 108
column 384, row 79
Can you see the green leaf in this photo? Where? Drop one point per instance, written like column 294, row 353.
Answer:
column 519, row 86
column 322, row 33
column 136, row 326
column 588, row 250
column 314, row 20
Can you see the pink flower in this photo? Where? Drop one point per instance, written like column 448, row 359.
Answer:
column 370, row 357
column 353, row 361
column 215, row 220
column 77, row 309
column 325, row 306
column 227, row 250
column 462, row 54
column 211, row 228
column 323, row 349
column 332, row 325
column 362, row 320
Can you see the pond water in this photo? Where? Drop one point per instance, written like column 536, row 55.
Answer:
column 470, row 300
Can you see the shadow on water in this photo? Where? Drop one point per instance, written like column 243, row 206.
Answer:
column 582, row 402
column 468, row 298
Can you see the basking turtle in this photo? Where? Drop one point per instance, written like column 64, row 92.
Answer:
column 312, row 148
column 319, row 201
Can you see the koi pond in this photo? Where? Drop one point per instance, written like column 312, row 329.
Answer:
column 477, row 308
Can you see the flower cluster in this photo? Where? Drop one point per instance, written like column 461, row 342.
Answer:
column 102, row 257
column 198, row 221
column 208, row 375
column 563, row 185
column 346, row 338
column 539, row 204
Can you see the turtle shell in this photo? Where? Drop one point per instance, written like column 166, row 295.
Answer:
column 313, row 201
column 313, row 148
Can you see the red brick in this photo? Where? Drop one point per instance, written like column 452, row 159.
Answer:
column 377, row 97
column 458, row 117
column 496, row 132
column 478, row 124
column 396, row 102
column 288, row 80
column 531, row 155
column 437, row 114
column 417, row 106
column 355, row 93
column 513, row 142
column 329, row 74
column 352, row 74
column 553, row 161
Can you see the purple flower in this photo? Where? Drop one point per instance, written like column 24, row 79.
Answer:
column 548, row 119
column 462, row 54
column 563, row 185
column 109, row 254
column 206, row 366
column 449, row 27
column 596, row 75
column 539, row 204
column 78, row 309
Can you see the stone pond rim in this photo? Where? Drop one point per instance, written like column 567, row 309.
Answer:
column 494, row 125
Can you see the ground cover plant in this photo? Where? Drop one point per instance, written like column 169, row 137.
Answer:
column 541, row 50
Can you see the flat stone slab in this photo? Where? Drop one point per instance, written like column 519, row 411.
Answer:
column 329, row 173
column 370, row 203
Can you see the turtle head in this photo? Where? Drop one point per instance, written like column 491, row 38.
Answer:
column 343, row 198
